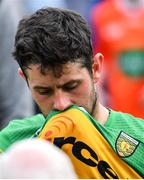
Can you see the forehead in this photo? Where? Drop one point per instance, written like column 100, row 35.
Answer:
column 59, row 69
column 69, row 71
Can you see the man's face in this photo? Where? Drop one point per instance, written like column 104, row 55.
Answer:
column 74, row 87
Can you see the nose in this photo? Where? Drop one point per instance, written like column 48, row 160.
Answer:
column 61, row 101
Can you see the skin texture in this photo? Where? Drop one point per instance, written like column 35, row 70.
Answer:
column 74, row 87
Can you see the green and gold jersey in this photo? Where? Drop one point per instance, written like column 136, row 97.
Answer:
column 110, row 151
column 114, row 150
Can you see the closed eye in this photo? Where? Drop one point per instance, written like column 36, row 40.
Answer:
column 71, row 85
column 44, row 91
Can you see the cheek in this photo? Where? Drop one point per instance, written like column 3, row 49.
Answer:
column 39, row 99
column 44, row 103
column 86, row 87
column 84, row 90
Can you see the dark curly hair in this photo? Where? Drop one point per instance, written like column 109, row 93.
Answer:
column 52, row 37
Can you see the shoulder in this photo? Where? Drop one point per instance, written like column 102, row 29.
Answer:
column 127, row 123
column 20, row 129
column 124, row 117
column 33, row 120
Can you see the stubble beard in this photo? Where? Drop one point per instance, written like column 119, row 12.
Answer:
column 93, row 108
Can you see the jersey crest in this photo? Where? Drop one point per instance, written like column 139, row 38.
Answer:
column 126, row 145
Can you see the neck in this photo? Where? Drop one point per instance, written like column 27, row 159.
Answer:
column 101, row 113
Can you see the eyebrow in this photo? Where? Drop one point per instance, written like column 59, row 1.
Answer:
column 41, row 87
column 59, row 86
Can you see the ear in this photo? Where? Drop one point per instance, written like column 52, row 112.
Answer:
column 21, row 74
column 97, row 66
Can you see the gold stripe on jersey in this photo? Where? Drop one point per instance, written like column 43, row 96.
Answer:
column 91, row 154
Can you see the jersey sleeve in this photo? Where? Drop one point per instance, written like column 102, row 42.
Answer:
column 20, row 129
